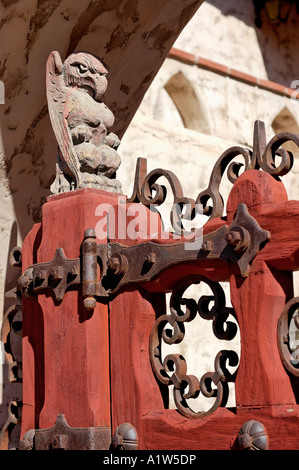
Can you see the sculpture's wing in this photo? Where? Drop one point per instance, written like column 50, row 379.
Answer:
column 56, row 96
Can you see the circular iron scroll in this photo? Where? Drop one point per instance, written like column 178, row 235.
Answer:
column 289, row 358
column 172, row 370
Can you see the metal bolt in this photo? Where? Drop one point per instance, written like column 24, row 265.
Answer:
column 118, row 263
column 90, row 233
column 59, row 442
column 253, row 436
column 113, row 263
column 89, row 303
column 233, row 238
column 238, row 238
column 74, row 271
column 125, row 437
column 56, row 273
column 41, row 275
column 151, row 258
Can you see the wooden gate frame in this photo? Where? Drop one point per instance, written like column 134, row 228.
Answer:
column 94, row 316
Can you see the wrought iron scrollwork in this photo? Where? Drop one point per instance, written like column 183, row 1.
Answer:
column 13, row 421
column 147, row 191
column 12, row 322
column 172, row 370
column 289, row 355
column 263, row 156
column 212, row 192
column 8, row 326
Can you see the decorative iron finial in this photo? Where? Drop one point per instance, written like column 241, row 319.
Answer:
column 253, row 436
column 125, row 437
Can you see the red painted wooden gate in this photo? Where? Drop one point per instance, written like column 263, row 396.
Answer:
column 95, row 316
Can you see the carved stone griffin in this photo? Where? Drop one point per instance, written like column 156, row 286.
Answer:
column 87, row 155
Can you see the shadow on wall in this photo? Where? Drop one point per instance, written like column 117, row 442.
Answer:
column 278, row 42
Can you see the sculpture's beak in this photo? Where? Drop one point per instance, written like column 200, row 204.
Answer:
column 95, row 84
column 100, row 86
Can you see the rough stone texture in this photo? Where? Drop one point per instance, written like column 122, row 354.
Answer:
column 81, row 121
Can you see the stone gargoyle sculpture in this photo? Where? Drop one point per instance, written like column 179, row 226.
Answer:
column 87, row 154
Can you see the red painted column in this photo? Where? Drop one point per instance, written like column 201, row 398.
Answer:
column 65, row 347
column 133, row 311
column 258, row 301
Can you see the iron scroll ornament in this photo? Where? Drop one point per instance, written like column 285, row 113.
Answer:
column 290, row 359
column 263, row 157
column 172, row 370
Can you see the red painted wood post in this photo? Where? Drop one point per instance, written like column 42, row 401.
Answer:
column 132, row 312
column 66, row 347
column 32, row 343
column 258, row 301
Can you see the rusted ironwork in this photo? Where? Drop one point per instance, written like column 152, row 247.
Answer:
column 89, row 269
column 11, row 330
column 13, row 420
column 56, row 275
column 64, row 437
column 245, row 236
column 262, row 156
column 141, row 263
column 172, row 370
column 289, row 357
column 253, row 436
column 27, row 443
column 125, row 437
column 122, row 265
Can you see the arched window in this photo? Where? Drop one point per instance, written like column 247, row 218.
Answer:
column 187, row 103
column 286, row 122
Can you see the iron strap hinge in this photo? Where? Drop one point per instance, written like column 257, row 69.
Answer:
column 102, row 270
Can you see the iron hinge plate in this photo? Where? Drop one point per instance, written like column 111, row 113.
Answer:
column 121, row 265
